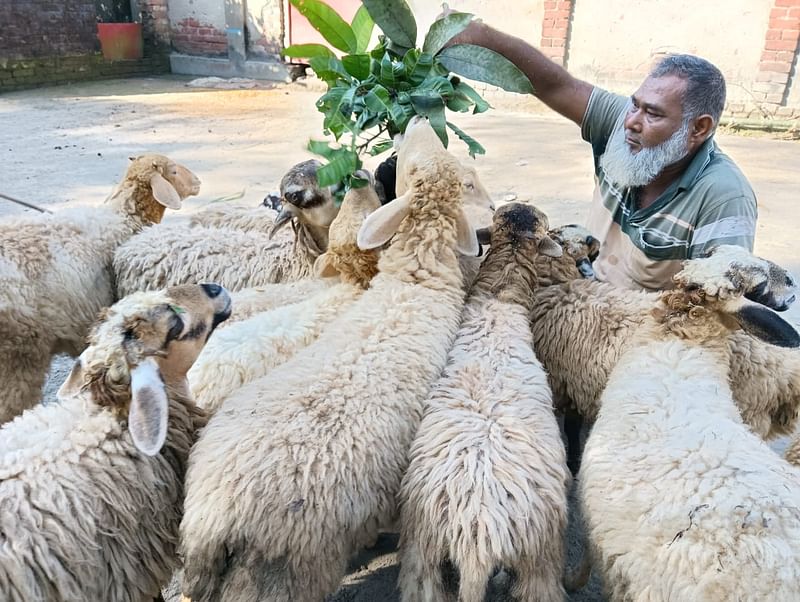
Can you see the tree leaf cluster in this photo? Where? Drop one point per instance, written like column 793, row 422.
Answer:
column 373, row 93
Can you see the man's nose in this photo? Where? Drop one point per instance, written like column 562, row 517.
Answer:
column 633, row 120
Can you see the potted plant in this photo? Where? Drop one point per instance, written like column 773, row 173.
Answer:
column 120, row 38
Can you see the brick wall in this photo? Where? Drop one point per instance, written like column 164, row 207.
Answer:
column 45, row 42
column 555, row 29
column 778, row 60
column 191, row 36
column 40, row 28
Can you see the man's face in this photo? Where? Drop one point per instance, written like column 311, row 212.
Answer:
column 652, row 136
column 656, row 112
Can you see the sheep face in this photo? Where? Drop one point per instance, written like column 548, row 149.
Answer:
column 305, row 199
column 170, row 182
column 579, row 244
column 142, row 345
column 711, row 292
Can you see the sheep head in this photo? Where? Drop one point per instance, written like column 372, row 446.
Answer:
column 309, row 208
column 142, row 346
column 579, row 244
column 431, row 180
column 728, row 289
column 343, row 257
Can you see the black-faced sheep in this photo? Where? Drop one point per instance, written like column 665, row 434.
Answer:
column 486, row 486
column 91, row 488
column 57, row 272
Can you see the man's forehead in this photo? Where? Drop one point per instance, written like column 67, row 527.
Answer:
column 665, row 92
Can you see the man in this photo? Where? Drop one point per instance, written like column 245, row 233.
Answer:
column 664, row 191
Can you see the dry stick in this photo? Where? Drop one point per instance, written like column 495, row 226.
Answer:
column 24, row 203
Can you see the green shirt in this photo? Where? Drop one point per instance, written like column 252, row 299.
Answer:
column 711, row 204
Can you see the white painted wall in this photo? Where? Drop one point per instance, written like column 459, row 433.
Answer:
column 206, row 12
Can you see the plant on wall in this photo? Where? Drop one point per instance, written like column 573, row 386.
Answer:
column 372, row 94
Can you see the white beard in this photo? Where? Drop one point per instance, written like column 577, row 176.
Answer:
column 628, row 170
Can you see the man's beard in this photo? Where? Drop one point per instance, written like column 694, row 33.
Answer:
column 627, row 169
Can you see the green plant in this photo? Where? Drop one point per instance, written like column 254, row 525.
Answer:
column 372, row 94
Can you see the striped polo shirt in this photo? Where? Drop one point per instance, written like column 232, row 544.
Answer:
column 711, row 203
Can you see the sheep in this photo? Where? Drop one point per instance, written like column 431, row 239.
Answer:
column 682, row 500
column 57, row 272
column 302, row 466
column 581, row 328
column 486, row 484
column 249, row 349
column 240, row 255
column 91, row 487
column 792, row 454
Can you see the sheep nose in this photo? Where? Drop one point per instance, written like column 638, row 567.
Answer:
column 212, row 290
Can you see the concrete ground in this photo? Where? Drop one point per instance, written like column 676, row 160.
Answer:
column 68, row 145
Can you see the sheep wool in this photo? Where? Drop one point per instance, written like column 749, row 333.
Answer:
column 302, row 466
column 57, row 273
column 86, row 515
column 682, row 501
column 487, row 478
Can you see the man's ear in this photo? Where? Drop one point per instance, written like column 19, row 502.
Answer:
column 701, row 129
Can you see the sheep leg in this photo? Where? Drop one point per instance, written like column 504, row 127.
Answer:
column 473, row 581
column 420, row 579
column 573, row 423
column 21, row 381
column 538, row 579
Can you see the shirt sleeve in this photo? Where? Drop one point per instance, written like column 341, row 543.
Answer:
column 602, row 115
column 731, row 222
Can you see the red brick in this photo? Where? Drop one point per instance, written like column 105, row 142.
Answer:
column 789, row 34
column 790, row 3
column 546, row 42
column 794, row 13
column 562, row 24
column 780, row 45
column 550, row 5
column 776, row 67
column 769, row 56
column 773, row 34
column 561, row 13
column 785, row 56
column 558, row 43
column 778, row 13
column 548, row 23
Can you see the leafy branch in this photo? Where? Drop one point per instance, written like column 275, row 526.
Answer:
column 381, row 89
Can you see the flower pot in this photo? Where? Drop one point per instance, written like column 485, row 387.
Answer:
column 120, row 41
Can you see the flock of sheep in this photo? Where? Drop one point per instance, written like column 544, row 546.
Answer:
column 383, row 364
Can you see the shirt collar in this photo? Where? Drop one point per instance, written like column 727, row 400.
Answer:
column 700, row 161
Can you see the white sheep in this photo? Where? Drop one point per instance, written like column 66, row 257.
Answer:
column 681, row 499
column 56, row 272
column 302, row 466
column 580, row 329
column 243, row 255
column 249, row 349
column 91, row 488
column 486, row 485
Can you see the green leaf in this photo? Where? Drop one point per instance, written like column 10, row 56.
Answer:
column 381, row 147
column 438, row 84
column 321, row 148
column 342, row 165
column 418, row 66
column 443, row 30
column 459, row 103
column 303, row 51
column 387, row 71
column 356, row 182
column 362, row 28
column 357, row 65
column 431, row 105
column 480, row 104
column 482, row 64
column 329, row 70
column 328, row 23
column 474, row 146
column 337, row 105
column 395, row 19
column 379, row 100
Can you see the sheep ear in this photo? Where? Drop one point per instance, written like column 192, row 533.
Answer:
column 284, row 217
column 466, row 237
column 549, row 247
column 382, row 223
column 594, row 247
column 323, row 267
column 74, row 383
column 164, row 192
column 484, row 236
column 766, row 325
column 147, row 417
